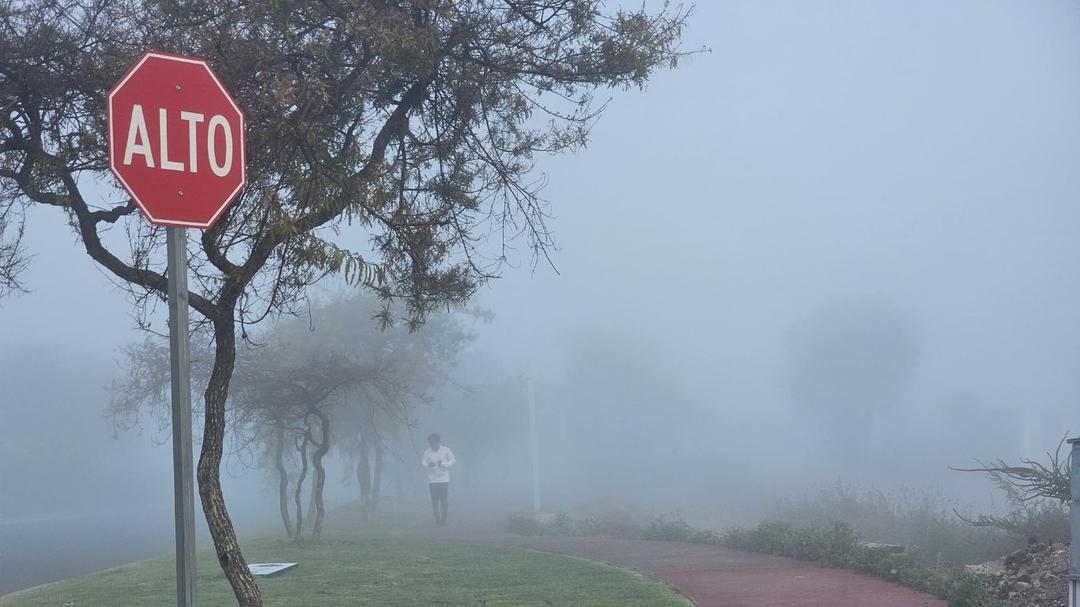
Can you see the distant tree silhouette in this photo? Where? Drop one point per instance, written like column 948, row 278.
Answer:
column 848, row 362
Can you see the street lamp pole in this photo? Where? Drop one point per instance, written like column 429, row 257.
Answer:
column 533, row 443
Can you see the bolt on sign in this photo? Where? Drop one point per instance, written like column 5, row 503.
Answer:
column 176, row 140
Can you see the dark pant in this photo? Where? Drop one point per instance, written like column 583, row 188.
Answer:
column 439, row 493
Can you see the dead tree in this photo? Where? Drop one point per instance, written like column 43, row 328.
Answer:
column 1032, row 479
column 1027, row 485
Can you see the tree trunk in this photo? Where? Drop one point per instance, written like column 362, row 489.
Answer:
column 399, row 488
column 208, row 473
column 311, row 496
column 347, row 467
column 283, row 480
column 321, row 448
column 376, row 481
column 363, row 475
column 299, row 489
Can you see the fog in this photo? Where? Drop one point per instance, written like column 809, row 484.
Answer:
column 839, row 247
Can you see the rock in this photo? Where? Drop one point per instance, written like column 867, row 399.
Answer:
column 1014, row 560
column 1033, row 577
column 890, row 548
column 990, row 568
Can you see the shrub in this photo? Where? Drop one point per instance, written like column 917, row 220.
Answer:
column 606, row 523
column 670, row 528
column 525, row 525
column 913, row 518
column 1042, row 519
column 612, row 522
column 836, row 545
column 562, row 524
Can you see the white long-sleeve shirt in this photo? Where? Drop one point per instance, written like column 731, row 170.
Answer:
column 437, row 463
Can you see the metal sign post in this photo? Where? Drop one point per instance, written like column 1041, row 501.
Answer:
column 1074, row 517
column 180, row 364
column 187, row 181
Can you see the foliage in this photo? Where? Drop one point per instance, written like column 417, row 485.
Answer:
column 1039, row 519
column 611, row 523
column 833, row 544
column 836, row 545
column 673, row 527
column 1042, row 520
column 414, row 122
column 524, row 524
column 597, row 524
column 919, row 519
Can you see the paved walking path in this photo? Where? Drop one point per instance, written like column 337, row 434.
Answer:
column 713, row 576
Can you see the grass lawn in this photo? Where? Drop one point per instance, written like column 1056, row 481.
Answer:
column 378, row 571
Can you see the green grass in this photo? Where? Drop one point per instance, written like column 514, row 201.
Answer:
column 378, row 571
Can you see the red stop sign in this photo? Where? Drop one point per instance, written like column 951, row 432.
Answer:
column 176, row 140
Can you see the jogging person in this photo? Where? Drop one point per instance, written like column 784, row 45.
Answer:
column 437, row 459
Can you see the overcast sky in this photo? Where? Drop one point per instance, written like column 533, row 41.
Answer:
column 922, row 152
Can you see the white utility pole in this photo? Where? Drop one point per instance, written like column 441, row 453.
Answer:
column 530, row 392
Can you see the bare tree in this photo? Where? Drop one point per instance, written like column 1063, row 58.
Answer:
column 278, row 391
column 402, row 366
column 416, row 122
column 335, row 368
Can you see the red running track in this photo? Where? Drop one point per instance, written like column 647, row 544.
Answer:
column 795, row 585
column 712, row 576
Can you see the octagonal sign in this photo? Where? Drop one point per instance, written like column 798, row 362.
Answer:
column 176, row 140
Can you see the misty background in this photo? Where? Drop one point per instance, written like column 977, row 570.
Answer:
column 841, row 247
